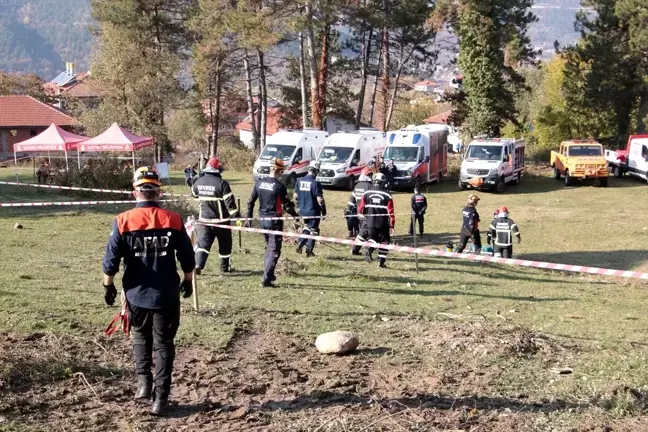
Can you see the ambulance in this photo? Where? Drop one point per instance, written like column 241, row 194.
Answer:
column 420, row 154
column 345, row 154
column 297, row 148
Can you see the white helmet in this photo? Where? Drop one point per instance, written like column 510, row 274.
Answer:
column 379, row 179
column 314, row 167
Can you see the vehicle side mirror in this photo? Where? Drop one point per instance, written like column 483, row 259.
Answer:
column 427, row 159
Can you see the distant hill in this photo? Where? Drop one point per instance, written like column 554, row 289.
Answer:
column 42, row 35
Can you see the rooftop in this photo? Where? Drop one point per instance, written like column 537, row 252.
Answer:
column 26, row 111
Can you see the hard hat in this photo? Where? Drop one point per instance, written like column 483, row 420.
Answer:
column 146, row 178
column 277, row 164
column 366, row 171
column 473, row 199
column 503, row 209
column 314, row 167
column 213, row 165
column 379, row 178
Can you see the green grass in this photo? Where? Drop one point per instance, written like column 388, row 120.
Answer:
column 50, row 275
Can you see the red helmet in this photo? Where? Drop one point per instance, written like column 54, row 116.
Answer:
column 503, row 209
column 367, row 171
column 213, row 165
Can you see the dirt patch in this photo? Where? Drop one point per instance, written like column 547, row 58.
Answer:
column 266, row 380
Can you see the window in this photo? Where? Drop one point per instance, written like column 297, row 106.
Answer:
column 32, row 132
column 644, row 151
column 298, row 156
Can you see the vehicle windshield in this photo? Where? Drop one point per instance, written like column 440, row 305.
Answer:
column 277, row 151
column 335, row 154
column 585, row 150
column 402, row 154
column 484, row 152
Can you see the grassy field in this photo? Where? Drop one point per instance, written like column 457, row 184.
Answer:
column 456, row 346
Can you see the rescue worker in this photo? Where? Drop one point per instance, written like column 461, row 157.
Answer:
column 363, row 185
column 378, row 207
column 273, row 202
column 390, row 173
column 310, row 198
column 148, row 238
column 217, row 204
column 189, row 174
column 43, row 173
column 419, row 207
column 501, row 232
column 470, row 227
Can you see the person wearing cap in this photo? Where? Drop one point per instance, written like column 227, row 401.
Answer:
column 419, row 207
column 501, row 232
column 378, row 207
column 217, row 204
column 273, row 202
column 148, row 238
column 355, row 221
column 470, row 227
column 310, row 198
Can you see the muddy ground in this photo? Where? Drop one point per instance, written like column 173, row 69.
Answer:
column 264, row 380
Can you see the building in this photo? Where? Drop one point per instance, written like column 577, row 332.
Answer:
column 426, row 86
column 70, row 84
column 23, row 117
column 441, row 118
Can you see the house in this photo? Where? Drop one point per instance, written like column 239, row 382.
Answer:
column 23, row 117
column 70, row 84
column 441, row 118
column 426, row 86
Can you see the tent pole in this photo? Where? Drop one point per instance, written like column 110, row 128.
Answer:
column 16, row 164
column 133, row 169
column 34, row 166
column 79, row 159
column 67, row 167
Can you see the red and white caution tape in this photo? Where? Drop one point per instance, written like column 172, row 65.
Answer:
column 443, row 254
column 75, row 188
column 70, row 203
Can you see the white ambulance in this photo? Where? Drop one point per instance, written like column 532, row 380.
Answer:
column 492, row 163
column 297, row 148
column 345, row 154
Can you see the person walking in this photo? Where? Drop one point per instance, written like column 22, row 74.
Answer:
column 189, row 174
column 310, row 198
column 501, row 232
column 378, row 207
column 217, row 204
column 273, row 202
column 419, row 207
column 363, row 185
column 147, row 239
column 470, row 226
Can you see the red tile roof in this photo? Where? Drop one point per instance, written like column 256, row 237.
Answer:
column 439, row 118
column 427, row 83
column 25, row 111
column 272, row 122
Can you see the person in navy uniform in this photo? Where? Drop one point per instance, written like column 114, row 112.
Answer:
column 217, row 204
column 501, row 232
column 378, row 208
column 148, row 239
column 273, row 202
column 470, row 226
column 310, row 198
column 419, row 207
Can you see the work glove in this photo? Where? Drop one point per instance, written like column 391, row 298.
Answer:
column 110, row 294
column 186, row 288
column 519, row 239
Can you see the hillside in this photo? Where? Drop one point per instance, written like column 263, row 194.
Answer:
column 41, row 35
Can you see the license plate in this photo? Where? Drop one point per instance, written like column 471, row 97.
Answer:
column 326, row 180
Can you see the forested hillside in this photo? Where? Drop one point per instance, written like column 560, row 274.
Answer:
column 41, row 35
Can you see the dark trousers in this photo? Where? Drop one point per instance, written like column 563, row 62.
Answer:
column 352, row 224
column 273, row 248
column 153, row 333
column 379, row 236
column 421, row 221
column 206, row 237
column 311, row 227
column 463, row 240
column 504, row 251
column 363, row 235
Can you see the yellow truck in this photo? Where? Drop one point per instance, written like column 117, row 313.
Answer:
column 580, row 160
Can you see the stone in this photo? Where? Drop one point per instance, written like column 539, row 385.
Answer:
column 18, row 226
column 337, row 342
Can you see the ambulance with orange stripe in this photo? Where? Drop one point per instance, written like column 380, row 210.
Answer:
column 297, row 148
column 345, row 154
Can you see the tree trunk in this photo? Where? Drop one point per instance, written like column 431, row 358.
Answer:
column 366, row 52
column 216, row 124
column 385, row 68
column 302, row 81
column 210, row 101
column 320, row 107
column 401, row 62
column 312, row 63
column 250, row 101
column 374, row 91
column 263, row 101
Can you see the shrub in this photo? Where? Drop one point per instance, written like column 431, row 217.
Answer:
column 104, row 173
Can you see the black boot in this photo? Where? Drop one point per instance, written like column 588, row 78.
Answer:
column 144, row 387
column 226, row 266
column 160, row 403
column 382, row 263
column 198, row 271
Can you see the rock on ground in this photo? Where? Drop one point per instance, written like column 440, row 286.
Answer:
column 337, row 342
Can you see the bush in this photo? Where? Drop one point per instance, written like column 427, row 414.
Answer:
column 104, row 173
column 235, row 156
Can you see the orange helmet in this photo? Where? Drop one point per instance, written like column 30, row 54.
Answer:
column 277, row 164
column 366, row 171
column 213, row 165
column 146, row 177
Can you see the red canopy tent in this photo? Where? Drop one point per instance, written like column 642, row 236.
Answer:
column 51, row 139
column 116, row 138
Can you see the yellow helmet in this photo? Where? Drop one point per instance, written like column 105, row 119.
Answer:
column 146, row 177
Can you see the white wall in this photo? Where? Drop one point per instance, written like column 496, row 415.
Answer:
column 246, row 138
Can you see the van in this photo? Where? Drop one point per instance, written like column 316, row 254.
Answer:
column 345, row 154
column 296, row 148
column 492, row 163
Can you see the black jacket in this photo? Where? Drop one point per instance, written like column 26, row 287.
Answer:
column 356, row 195
column 215, row 196
column 502, row 231
column 149, row 238
column 273, row 199
column 419, row 204
column 378, row 208
column 470, row 220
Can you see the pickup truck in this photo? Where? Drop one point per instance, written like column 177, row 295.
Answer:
column 633, row 160
column 580, row 160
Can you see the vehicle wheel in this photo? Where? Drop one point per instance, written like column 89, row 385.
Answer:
column 617, row 171
column 461, row 186
column 556, row 173
column 500, row 186
column 568, row 179
column 351, row 183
